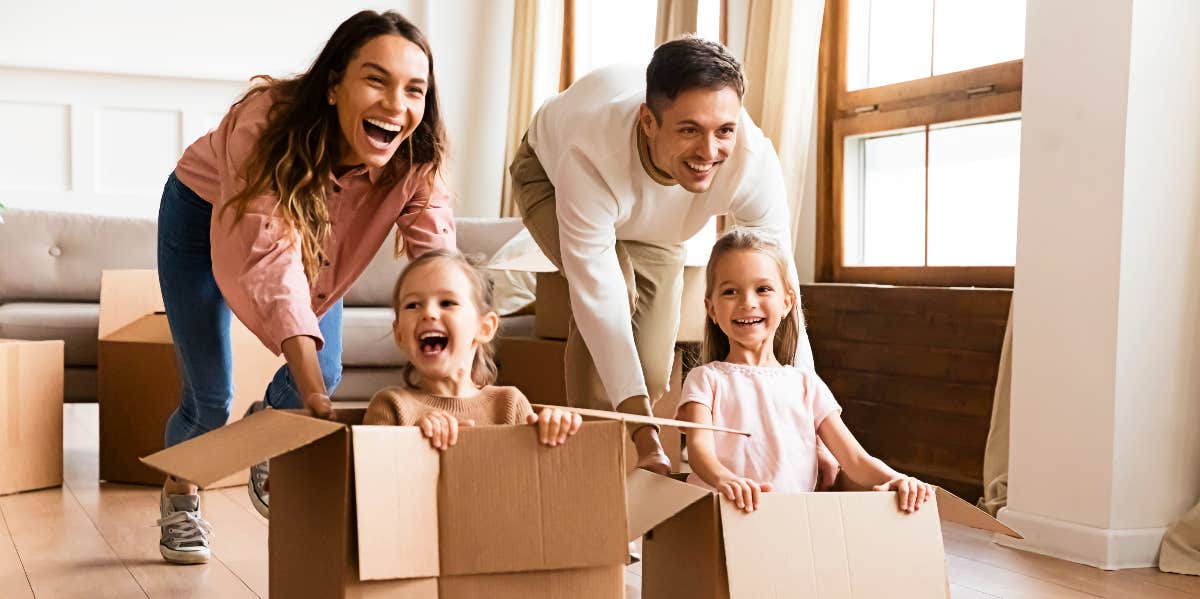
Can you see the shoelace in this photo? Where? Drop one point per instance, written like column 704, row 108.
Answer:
column 187, row 527
column 259, row 476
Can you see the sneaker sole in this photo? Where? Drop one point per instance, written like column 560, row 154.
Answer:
column 263, row 509
column 184, row 557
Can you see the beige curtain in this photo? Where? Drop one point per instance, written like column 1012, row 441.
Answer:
column 537, row 47
column 1180, row 552
column 995, row 457
column 675, row 19
column 778, row 41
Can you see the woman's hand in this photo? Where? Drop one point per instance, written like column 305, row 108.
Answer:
column 441, row 428
column 555, row 425
column 320, row 406
column 910, row 492
column 743, row 492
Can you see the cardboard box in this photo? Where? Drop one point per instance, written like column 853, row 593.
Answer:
column 31, row 416
column 139, row 385
column 365, row 511
column 535, row 366
column 553, row 307
column 815, row 545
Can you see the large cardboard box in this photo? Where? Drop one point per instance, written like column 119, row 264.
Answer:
column 31, row 398
column 371, row 511
column 553, row 308
column 139, row 383
column 813, row 545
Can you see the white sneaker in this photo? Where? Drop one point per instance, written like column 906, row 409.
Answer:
column 260, row 498
column 185, row 535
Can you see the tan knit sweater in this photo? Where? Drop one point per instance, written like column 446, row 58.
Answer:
column 400, row 406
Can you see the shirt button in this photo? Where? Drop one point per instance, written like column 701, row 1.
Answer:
column 337, row 188
column 327, row 263
column 55, row 251
column 320, row 296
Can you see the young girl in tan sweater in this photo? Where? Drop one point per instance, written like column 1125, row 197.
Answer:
column 445, row 324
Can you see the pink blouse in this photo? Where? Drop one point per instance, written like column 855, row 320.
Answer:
column 781, row 408
column 257, row 262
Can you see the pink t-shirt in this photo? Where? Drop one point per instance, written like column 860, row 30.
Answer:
column 257, row 262
column 781, row 408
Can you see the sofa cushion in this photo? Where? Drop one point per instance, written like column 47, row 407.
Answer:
column 75, row 323
column 479, row 237
column 58, row 256
column 367, row 336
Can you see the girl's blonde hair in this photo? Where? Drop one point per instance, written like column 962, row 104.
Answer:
column 483, row 366
column 716, row 342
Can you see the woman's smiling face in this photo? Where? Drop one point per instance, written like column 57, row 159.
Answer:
column 380, row 99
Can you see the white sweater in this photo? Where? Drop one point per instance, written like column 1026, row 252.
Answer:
column 585, row 139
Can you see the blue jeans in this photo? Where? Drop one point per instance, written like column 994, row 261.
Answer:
column 199, row 320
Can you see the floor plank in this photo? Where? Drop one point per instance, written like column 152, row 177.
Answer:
column 124, row 515
column 241, row 537
column 990, row 579
column 957, row 591
column 978, row 546
column 63, row 553
column 13, row 582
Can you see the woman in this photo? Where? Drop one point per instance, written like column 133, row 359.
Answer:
column 275, row 213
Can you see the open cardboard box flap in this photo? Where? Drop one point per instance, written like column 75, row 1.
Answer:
column 651, row 499
column 239, row 445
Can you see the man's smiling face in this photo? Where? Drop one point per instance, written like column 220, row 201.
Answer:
column 696, row 134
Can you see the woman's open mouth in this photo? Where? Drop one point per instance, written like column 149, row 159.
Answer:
column 382, row 133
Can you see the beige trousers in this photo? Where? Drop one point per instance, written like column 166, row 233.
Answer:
column 653, row 276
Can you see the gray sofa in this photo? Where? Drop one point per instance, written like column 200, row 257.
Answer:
column 50, row 264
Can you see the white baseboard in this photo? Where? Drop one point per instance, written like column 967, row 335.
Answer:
column 1102, row 548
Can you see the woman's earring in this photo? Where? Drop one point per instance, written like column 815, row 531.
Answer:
column 331, row 100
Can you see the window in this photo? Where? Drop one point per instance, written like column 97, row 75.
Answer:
column 610, row 32
column 613, row 32
column 919, row 141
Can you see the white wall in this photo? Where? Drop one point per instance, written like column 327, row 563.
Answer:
column 1105, row 396
column 98, row 99
column 1158, row 329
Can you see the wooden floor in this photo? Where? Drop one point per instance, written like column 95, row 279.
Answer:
column 92, row 540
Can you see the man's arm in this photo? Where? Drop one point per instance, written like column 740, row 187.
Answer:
column 587, row 216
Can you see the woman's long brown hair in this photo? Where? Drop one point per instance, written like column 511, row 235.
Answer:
column 296, row 153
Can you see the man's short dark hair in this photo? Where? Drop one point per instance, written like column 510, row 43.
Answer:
column 689, row 63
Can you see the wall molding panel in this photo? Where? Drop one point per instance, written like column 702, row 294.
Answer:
column 97, row 142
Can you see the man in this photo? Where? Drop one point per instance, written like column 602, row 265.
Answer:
column 613, row 176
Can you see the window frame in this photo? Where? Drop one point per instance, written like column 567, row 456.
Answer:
column 988, row 91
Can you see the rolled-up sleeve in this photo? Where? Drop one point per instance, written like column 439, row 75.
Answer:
column 427, row 220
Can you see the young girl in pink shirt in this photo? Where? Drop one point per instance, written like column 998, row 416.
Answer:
column 751, row 332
